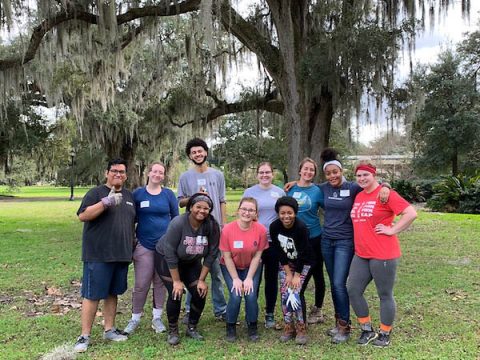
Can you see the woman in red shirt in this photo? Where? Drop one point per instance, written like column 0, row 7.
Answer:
column 242, row 243
column 377, row 251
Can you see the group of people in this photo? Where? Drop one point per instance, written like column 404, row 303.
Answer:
column 277, row 236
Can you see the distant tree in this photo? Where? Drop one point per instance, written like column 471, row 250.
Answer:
column 447, row 123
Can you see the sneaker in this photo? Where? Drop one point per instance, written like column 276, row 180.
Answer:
column 269, row 321
column 315, row 316
column 158, row 325
column 82, row 344
column 382, row 340
column 185, row 318
column 193, row 332
column 366, row 337
column 114, row 335
column 131, row 326
column 221, row 317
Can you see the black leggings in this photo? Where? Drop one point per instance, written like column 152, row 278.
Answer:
column 189, row 274
column 317, row 272
column 270, row 268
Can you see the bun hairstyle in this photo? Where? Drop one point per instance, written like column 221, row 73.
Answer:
column 329, row 154
column 329, row 157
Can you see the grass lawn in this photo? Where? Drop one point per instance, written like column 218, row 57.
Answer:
column 437, row 293
column 61, row 192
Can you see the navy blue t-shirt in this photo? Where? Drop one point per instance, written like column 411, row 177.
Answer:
column 338, row 204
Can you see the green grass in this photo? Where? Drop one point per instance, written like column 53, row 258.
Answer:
column 43, row 191
column 437, row 293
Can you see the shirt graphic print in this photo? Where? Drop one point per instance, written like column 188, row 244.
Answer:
column 288, row 246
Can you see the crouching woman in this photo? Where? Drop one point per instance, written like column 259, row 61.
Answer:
column 242, row 243
column 290, row 236
column 190, row 237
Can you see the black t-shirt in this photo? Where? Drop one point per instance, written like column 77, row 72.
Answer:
column 293, row 245
column 109, row 237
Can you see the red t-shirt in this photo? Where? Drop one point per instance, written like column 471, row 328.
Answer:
column 243, row 244
column 367, row 212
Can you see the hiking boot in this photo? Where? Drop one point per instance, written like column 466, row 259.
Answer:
column 193, row 333
column 131, row 326
column 253, row 331
column 382, row 340
column 301, row 338
column 269, row 320
column 114, row 335
column 231, row 332
column 367, row 334
column 333, row 331
column 343, row 332
column 288, row 332
column 82, row 344
column 186, row 317
column 158, row 325
column 315, row 316
column 173, row 338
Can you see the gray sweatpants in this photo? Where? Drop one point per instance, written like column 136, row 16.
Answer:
column 383, row 273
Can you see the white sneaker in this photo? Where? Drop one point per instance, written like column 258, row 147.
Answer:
column 131, row 326
column 114, row 335
column 158, row 325
column 82, row 344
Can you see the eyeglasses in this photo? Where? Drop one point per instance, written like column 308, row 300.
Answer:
column 264, row 172
column 118, row 172
column 251, row 211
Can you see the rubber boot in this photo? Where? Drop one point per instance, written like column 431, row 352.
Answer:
column 253, row 331
column 231, row 332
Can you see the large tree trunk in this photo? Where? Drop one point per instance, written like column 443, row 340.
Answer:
column 126, row 150
column 308, row 116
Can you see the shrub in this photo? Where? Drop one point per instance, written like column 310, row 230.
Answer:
column 457, row 194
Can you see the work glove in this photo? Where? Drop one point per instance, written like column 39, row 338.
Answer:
column 113, row 199
column 293, row 300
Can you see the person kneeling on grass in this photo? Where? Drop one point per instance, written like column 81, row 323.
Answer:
column 242, row 243
column 190, row 237
column 291, row 238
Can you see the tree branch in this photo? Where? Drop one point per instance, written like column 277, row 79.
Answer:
column 77, row 13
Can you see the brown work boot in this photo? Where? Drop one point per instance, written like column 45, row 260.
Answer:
column 288, row 332
column 343, row 333
column 301, row 338
column 333, row 331
column 315, row 316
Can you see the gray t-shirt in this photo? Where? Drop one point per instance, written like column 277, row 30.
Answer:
column 110, row 236
column 266, row 199
column 211, row 181
column 182, row 244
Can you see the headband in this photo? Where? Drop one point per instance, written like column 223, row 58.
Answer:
column 333, row 162
column 370, row 168
column 202, row 197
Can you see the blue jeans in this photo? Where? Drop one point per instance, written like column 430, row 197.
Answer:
column 234, row 300
column 218, row 297
column 338, row 255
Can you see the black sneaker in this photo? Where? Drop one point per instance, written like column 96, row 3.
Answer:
column 382, row 340
column 366, row 337
column 193, row 333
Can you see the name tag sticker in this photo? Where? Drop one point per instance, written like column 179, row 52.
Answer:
column 145, row 204
column 345, row 193
column 201, row 182
column 238, row 244
column 297, row 195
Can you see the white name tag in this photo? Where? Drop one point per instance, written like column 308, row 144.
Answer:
column 145, row 204
column 297, row 194
column 345, row 193
column 201, row 182
column 238, row 244
column 274, row 194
